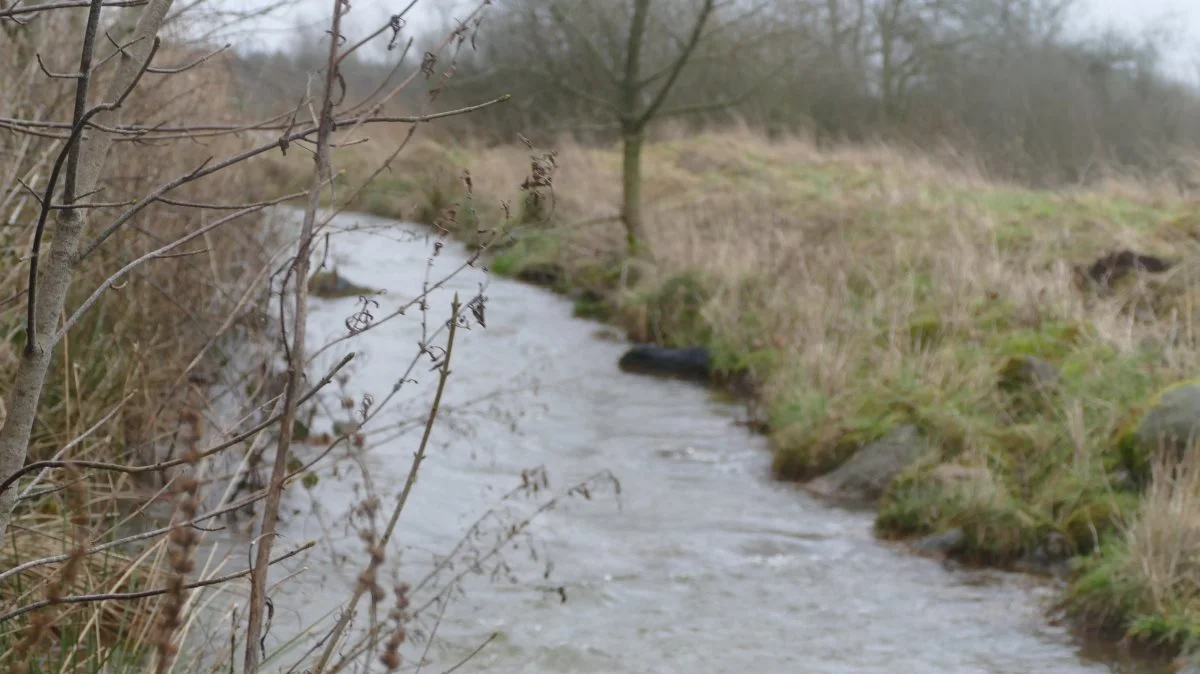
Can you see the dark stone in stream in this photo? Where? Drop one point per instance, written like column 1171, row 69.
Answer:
column 686, row 363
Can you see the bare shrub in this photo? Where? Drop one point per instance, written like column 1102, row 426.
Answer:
column 161, row 294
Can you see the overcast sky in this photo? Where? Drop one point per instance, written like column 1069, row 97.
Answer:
column 1181, row 18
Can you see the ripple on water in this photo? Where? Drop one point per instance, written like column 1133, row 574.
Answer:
column 706, row 567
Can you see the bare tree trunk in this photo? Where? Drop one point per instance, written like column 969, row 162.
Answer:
column 81, row 177
column 296, row 357
column 633, row 128
column 631, row 190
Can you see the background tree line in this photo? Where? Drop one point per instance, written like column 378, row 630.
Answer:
column 1005, row 81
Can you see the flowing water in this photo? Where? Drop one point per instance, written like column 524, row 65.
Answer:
column 701, row 564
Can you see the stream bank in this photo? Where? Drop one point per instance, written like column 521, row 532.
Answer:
column 703, row 563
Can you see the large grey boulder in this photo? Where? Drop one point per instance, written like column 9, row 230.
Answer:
column 1171, row 424
column 1174, row 420
column 873, row 467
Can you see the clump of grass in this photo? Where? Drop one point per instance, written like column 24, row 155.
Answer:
column 1145, row 581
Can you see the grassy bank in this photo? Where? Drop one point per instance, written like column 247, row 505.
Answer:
column 864, row 289
column 130, row 378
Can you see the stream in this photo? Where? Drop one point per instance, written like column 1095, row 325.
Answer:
column 702, row 563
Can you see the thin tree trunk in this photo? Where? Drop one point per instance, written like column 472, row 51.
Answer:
column 296, row 359
column 631, row 191
column 55, row 279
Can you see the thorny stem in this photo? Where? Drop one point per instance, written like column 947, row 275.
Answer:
column 418, row 458
column 299, row 271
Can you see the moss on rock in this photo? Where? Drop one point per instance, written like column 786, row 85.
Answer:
column 1169, row 421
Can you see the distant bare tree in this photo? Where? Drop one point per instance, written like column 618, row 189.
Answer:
column 624, row 61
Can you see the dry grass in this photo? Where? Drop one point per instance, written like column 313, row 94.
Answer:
column 1148, row 583
column 864, row 287
column 151, row 342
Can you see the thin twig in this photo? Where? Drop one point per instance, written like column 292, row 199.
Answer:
column 159, row 252
column 141, row 594
column 13, row 12
column 295, row 356
column 208, row 168
column 164, row 465
column 70, row 445
column 70, row 153
column 413, row 470
column 187, row 66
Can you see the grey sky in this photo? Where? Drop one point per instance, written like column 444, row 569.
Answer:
column 1180, row 18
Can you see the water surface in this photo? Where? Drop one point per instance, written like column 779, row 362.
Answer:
column 703, row 563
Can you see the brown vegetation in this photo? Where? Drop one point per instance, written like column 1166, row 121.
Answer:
column 130, row 376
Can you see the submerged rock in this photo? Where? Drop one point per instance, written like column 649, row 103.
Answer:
column 687, row 363
column 331, row 284
column 873, row 467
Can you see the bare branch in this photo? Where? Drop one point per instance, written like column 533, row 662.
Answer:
column 164, row 465
column 26, row 386
column 724, row 103
column 142, row 594
column 680, row 61
column 187, row 66
column 69, row 153
column 413, row 470
column 564, row 22
column 270, row 125
column 210, row 168
column 47, row 73
column 471, row 656
column 15, row 10
column 159, row 252
column 68, row 447
column 134, row 538
column 299, row 270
